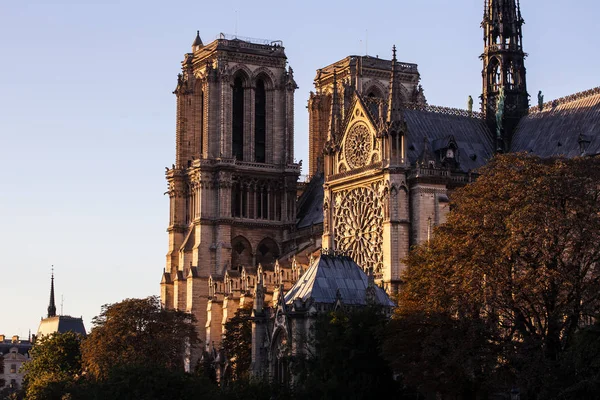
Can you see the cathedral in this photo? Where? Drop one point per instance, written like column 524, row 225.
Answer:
column 383, row 164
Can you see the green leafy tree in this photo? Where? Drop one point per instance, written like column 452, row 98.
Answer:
column 237, row 341
column 517, row 266
column 138, row 333
column 54, row 367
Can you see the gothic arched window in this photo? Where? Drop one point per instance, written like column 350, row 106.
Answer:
column 237, row 131
column 495, row 74
column 260, row 122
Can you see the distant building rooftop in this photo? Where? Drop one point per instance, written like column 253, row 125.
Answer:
column 61, row 324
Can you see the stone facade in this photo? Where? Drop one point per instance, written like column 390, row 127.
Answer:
column 383, row 166
column 378, row 202
column 233, row 187
column 363, row 74
column 14, row 353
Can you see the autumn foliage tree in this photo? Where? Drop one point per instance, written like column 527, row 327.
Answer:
column 516, row 267
column 138, row 332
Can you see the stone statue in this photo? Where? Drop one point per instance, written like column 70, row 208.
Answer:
column 470, row 105
column 500, row 112
column 540, row 100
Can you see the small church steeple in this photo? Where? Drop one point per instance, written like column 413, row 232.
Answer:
column 52, row 306
column 504, row 100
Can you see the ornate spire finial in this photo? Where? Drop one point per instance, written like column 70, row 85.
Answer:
column 335, row 109
column 197, row 42
column 52, row 305
column 395, row 97
column 503, row 69
column 259, row 295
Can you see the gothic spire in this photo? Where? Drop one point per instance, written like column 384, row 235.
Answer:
column 259, row 294
column 52, row 306
column 504, row 100
column 395, row 97
column 335, row 110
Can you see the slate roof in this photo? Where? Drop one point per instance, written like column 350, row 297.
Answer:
column 22, row 346
column 61, row 323
column 310, row 203
column 560, row 127
column 475, row 144
column 327, row 275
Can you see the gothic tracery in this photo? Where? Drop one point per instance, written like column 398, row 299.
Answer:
column 358, row 221
column 358, row 146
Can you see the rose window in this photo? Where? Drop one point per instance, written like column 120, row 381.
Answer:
column 358, row 146
column 358, row 219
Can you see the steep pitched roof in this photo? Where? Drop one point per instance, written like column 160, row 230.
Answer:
column 470, row 132
column 330, row 274
column 564, row 127
column 310, row 204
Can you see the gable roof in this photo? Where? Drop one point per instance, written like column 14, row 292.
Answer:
column 330, row 274
column 560, row 127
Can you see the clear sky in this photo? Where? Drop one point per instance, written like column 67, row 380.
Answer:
column 87, row 118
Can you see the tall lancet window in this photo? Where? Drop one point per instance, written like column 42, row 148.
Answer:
column 260, row 123
column 237, row 148
column 495, row 75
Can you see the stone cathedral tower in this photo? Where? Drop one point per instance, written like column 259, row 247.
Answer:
column 503, row 70
column 232, row 188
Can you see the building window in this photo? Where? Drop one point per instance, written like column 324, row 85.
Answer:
column 260, row 123
column 239, row 201
column 13, row 368
column 238, row 119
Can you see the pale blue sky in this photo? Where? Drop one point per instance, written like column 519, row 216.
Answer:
column 87, row 118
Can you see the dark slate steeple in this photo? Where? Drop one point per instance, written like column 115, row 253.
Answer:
column 197, row 42
column 52, row 306
column 504, row 100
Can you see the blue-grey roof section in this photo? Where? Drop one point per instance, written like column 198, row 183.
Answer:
column 473, row 138
column 565, row 127
column 310, row 204
column 330, row 274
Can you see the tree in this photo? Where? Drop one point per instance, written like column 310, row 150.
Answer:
column 148, row 382
column 518, row 257
column 238, row 341
column 345, row 360
column 54, row 367
column 138, row 333
column 580, row 367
